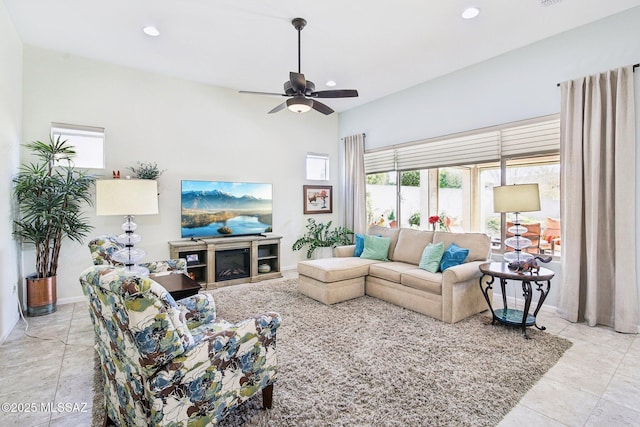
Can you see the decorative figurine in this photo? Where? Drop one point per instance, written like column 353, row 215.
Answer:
column 528, row 266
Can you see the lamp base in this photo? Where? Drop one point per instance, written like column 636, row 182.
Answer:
column 517, row 256
column 135, row 270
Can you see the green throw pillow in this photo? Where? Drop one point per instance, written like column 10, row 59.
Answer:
column 376, row 248
column 431, row 257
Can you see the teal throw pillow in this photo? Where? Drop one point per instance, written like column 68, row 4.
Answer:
column 431, row 257
column 359, row 245
column 376, row 247
column 454, row 255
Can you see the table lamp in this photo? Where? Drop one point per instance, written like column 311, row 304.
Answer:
column 128, row 197
column 516, row 198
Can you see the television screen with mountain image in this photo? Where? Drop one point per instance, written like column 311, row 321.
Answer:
column 217, row 208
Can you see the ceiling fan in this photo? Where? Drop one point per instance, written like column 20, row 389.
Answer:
column 301, row 91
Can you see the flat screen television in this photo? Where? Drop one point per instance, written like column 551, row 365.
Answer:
column 221, row 208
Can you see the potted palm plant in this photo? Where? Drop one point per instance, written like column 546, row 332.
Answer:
column 50, row 195
column 321, row 235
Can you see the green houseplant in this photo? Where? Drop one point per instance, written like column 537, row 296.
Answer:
column 50, row 195
column 146, row 170
column 321, row 235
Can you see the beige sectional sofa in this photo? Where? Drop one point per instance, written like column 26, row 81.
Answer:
column 449, row 296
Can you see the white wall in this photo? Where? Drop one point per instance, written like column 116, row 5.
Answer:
column 10, row 121
column 517, row 85
column 514, row 86
column 195, row 131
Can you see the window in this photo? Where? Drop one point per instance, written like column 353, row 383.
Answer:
column 462, row 194
column 381, row 198
column 317, row 167
column 88, row 143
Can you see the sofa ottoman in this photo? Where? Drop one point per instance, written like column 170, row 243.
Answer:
column 333, row 280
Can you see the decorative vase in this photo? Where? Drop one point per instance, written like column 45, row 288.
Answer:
column 264, row 268
column 41, row 295
column 323, row 252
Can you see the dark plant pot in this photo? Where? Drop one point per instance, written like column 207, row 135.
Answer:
column 41, row 296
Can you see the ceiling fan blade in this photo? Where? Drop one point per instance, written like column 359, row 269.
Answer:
column 340, row 93
column 261, row 93
column 278, row 108
column 298, row 82
column 319, row 106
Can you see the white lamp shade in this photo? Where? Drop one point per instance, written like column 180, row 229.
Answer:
column 516, row 198
column 126, row 197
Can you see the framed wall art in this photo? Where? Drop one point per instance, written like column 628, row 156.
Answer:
column 318, row 199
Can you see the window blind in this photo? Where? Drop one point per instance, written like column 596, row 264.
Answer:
column 529, row 137
column 475, row 148
column 379, row 161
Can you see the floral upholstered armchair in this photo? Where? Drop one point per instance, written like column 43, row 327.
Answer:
column 174, row 363
column 103, row 247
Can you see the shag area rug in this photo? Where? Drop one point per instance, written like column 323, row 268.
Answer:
column 366, row 362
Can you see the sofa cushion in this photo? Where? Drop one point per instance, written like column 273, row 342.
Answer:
column 478, row 244
column 422, row 280
column 391, row 233
column 335, row 269
column 389, row 270
column 431, row 257
column 359, row 245
column 410, row 245
column 376, row 248
column 453, row 255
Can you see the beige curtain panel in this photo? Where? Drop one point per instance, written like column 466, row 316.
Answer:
column 354, row 184
column 598, row 154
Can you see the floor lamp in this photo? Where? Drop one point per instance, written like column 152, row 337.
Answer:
column 516, row 198
column 128, row 197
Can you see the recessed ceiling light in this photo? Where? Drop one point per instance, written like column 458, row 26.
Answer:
column 331, row 83
column 470, row 12
column 151, row 31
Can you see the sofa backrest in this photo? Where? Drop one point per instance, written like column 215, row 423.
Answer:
column 391, row 233
column 478, row 244
column 411, row 244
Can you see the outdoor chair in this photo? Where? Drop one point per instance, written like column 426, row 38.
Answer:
column 533, row 234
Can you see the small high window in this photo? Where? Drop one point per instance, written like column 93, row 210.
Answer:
column 87, row 141
column 317, row 167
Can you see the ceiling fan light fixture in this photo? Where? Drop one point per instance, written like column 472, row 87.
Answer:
column 299, row 104
column 331, row 83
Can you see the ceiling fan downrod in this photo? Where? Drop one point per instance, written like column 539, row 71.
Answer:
column 299, row 24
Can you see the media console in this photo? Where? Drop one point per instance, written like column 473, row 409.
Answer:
column 222, row 261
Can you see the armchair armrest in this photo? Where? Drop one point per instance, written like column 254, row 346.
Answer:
column 243, row 350
column 197, row 309
column 169, row 266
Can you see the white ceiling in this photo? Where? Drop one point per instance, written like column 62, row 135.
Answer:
column 378, row 47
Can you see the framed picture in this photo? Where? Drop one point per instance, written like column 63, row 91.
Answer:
column 192, row 258
column 318, row 199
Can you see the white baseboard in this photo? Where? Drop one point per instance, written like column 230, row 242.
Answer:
column 71, row 300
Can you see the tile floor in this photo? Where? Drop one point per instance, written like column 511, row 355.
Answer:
column 595, row 383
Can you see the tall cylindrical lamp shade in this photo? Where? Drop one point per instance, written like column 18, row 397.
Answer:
column 128, row 197
column 516, row 198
